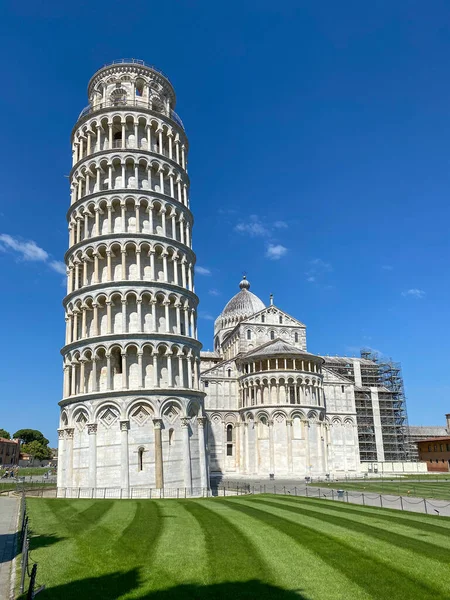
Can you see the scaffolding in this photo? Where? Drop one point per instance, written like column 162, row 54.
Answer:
column 386, row 377
column 392, row 403
column 366, row 427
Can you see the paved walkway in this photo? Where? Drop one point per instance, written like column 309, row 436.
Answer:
column 9, row 508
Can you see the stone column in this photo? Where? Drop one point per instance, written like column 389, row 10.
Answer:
column 159, row 473
column 108, row 317
column 140, row 369
column 271, row 448
column 66, row 382
column 92, row 431
column 61, row 479
column 124, row 371
column 326, row 435
column 243, row 458
column 124, row 459
column 124, row 316
column 108, row 372
column 69, row 456
column 289, row 444
column 139, row 314
column 138, row 264
column 237, row 438
column 186, row 454
column 169, row 369
column 202, row 454
column 319, row 446
column 308, row 456
column 247, row 444
column 94, row 374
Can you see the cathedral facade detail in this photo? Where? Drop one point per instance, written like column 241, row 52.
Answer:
column 274, row 408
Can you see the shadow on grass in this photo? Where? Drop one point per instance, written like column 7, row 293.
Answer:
column 115, row 585
column 234, row 590
column 42, row 541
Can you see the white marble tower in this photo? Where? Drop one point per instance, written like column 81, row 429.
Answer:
column 132, row 413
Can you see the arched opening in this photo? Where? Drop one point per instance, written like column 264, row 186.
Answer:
column 272, row 335
column 249, row 334
column 171, row 436
column 141, row 459
column 140, row 87
column 229, row 440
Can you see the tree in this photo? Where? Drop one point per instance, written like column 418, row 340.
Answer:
column 37, row 450
column 31, row 435
column 5, row 434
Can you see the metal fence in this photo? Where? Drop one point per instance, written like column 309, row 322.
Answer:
column 404, row 503
column 132, row 493
column 26, row 560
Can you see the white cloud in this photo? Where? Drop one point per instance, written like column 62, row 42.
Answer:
column 317, row 268
column 214, row 292
column 275, row 251
column 254, row 227
column 320, row 265
column 58, row 266
column 27, row 250
column 280, row 225
column 205, row 316
column 414, row 292
column 202, row 271
column 387, row 267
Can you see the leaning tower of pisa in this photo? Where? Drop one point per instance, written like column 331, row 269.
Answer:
column 132, row 414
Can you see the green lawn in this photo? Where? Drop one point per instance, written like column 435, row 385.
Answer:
column 251, row 547
column 11, row 486
column 25, row 471
column 423, row 489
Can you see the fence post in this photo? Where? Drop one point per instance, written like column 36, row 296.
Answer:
column 318, row 492
column 275, row 489
column 425, row 504
column 24, row 560
column 264, row 488
column 332, row 494
column 306, row 490
column 401, row 502
column 363, row 500
column 347, row 497
column 381, row 500
column 295, row 490
column 30, row 594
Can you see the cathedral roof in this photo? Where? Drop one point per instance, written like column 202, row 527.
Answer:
column 279, row 347
column 244, row 303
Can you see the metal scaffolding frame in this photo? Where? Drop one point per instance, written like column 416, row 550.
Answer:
column 387, row 376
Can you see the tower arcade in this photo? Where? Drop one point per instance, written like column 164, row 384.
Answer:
column 132, row 413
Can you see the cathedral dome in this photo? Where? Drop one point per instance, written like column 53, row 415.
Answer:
column 243, row 304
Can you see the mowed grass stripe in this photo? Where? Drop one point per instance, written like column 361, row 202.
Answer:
column 427, row 523
column 364, row 568
column 420, row 566
column 179, row 556
column 404, row 542
column 145, row 527
column 228, row 549
column 77, row 516
column 293, row 566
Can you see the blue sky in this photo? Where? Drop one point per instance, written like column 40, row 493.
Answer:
column 319, row 163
